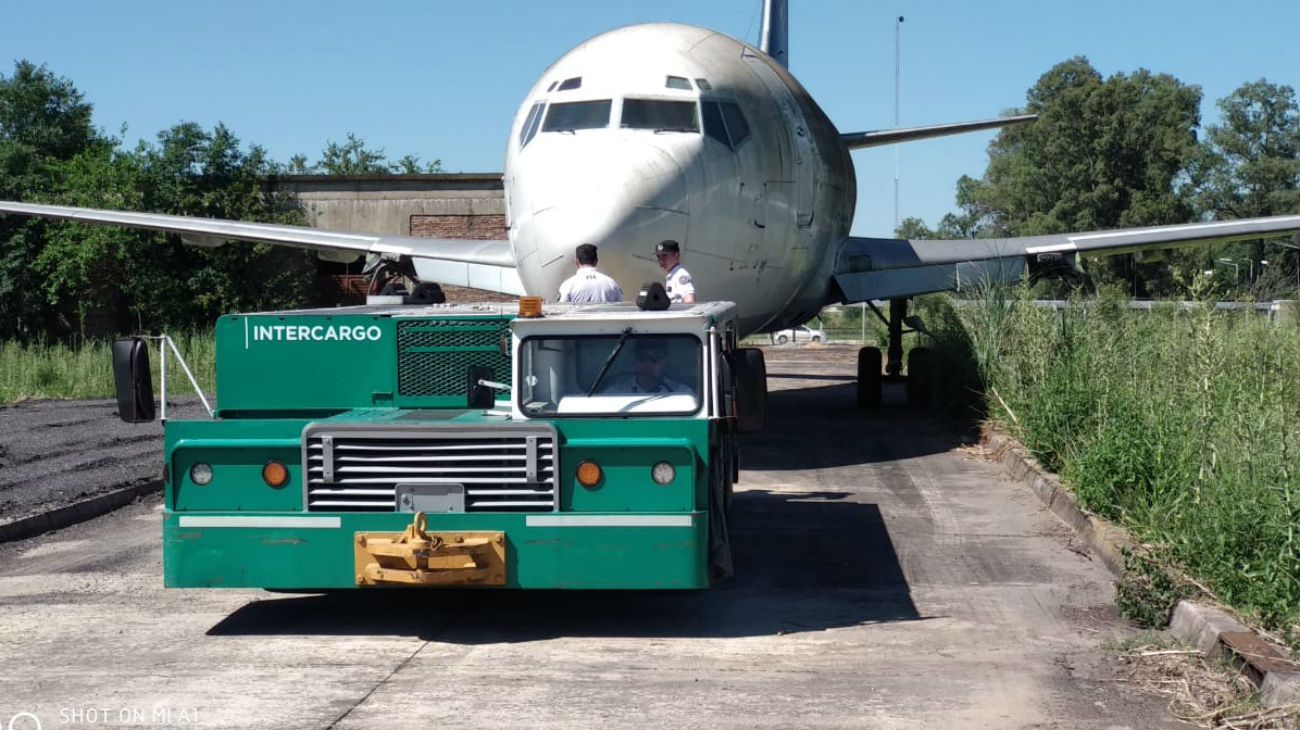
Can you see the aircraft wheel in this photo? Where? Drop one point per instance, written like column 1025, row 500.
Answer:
column 869, row 361
column 919, row 375
column 782, row 339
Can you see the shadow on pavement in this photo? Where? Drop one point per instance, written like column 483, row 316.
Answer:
column 822, row 427
column 804, row 562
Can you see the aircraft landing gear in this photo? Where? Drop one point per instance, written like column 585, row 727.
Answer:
column 870, row 378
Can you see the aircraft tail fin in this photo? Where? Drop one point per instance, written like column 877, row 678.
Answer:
column 775, row 40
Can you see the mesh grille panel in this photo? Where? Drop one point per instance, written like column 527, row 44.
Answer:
column 433, row 355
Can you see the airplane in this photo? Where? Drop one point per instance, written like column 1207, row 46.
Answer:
column 665, row 131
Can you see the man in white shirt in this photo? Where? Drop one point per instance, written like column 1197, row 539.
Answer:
column 677, row 280
column 589, row 285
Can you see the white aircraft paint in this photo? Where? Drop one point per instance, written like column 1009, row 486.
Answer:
column 756, row 223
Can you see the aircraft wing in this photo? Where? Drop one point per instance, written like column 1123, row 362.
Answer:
column 887, row 268
column 858, row 140
column 480, row 264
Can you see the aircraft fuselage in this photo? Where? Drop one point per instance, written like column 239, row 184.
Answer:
column 666, row 131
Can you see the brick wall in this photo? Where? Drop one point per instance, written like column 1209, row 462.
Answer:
column 483, row 227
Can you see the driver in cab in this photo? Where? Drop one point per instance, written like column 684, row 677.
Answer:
column 651, row 357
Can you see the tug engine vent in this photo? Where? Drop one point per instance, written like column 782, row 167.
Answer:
column 433, row 355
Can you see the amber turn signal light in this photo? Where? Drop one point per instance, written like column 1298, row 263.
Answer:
column 275, row 474
column 589, row 474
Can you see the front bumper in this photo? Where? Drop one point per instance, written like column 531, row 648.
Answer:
column 553, row 550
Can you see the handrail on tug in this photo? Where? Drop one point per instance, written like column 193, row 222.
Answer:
column 166, row 341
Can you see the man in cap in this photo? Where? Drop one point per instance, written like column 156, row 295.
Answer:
column 589, row 284
column 677, row 280
column 650, row 355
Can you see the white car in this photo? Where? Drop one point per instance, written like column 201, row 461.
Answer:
column 802, row 333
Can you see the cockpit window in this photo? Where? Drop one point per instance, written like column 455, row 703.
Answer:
column 573, row 115
column 703, row 84
column 659, row 115
column 570, row 84
column 529, row 129
column 714, row 127
column 737, row 127
column 677, row 82
column 724, row 122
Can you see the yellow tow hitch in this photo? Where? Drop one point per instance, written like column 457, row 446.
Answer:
column 418, row 558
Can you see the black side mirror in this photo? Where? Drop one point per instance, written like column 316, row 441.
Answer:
column 133, row 380
column 480, row 397
column 751, row 390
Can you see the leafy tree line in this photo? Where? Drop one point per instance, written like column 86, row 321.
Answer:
column 60, row 280
column 1124, row 151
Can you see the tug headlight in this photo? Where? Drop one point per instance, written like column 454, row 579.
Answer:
column 663, row 473
column 201, row 474
column 275, row 474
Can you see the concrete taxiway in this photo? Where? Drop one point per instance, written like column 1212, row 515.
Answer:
column 885, row 579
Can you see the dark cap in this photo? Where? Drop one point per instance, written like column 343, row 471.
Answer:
column 669, row 246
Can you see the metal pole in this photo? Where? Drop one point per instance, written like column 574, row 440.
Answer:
column 188, row 374
column 162, row 378
column 898, row 34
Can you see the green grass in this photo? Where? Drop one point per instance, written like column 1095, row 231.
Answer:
column 58, row 371
column 1182, row 426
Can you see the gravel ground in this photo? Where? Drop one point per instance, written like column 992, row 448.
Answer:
column 55, row 453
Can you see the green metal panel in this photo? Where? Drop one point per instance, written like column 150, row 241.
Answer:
column 282, row 362
column 237, row 449
column 632, row 445
column 237, row 483
column 537, row 557
column 627, row 485
column 287, row 362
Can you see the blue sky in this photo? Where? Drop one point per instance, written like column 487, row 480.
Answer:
column 442, row 80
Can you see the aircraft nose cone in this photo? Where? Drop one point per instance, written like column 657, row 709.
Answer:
column 622, row 196
column 608, row 175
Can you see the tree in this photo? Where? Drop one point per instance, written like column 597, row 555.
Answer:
column 44, row 121
column 352, row 158
column 411, row 165
column 149, row 280
column 1250, row 167
column 1104, row 153
column 913, row 228
column 191, row 171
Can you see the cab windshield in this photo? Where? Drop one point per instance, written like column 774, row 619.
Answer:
column 610, row 375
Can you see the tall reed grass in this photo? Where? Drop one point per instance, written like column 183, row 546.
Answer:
column 60, row 371
column 1182, row 426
